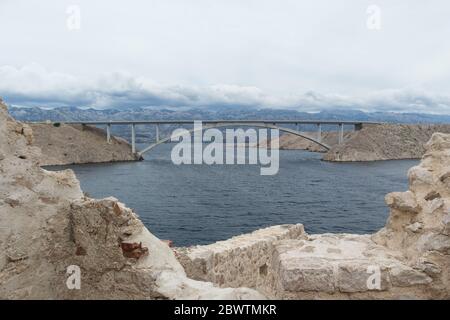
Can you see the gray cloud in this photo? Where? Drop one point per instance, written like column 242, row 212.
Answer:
column 266, row 53
column 33, row 85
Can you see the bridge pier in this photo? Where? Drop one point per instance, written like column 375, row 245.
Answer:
column 341, row 133
column 157, row 132
column 319, row 132
column 108, row 133
column 133, row 138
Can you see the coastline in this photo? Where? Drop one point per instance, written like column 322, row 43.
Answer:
column 373, row 142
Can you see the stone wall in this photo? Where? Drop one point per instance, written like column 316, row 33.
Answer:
column 411, row 254
column 241, row 259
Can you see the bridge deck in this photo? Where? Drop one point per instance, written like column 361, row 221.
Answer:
column 274, row 124
column 274, row 121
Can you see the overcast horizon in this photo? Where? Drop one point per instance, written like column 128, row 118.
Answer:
column 355, row 54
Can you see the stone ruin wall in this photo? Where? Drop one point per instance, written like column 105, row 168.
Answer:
column 412, row 252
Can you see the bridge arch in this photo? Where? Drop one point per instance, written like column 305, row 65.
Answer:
column 238, row 124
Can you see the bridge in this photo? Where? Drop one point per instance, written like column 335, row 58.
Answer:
column 208, row 124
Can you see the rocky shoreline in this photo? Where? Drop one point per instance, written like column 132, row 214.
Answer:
column 47, row 224
column 385, row 142
column 374, row 142
column 77, row 144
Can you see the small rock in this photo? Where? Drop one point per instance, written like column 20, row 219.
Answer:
column 403, row 201
column 428, row 267
column 404, row 276
column 354, row 277
column 446, row 222
column 438, row 141
column 16, row 257
column 308, row 274
column 431, row 206
column 434, row 242
column 12, row 202
column 18, row 127
column 445, row 176
column 28, row 133
column 80, row 251
column 432, row 195
column 420, row 176
column 168, row 242
column 133, row 250
column 117, row 209
column 414, row 227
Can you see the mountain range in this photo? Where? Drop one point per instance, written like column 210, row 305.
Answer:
column 143, row 113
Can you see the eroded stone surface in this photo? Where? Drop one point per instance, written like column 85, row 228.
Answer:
column 411, row 253
column 241, row 259
column 47, row 225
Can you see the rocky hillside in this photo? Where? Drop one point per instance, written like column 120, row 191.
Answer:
column 292, row 142
column 48, row 228
column 70, row 144
column 385, row 142
column 408, row 259
column 372, row 142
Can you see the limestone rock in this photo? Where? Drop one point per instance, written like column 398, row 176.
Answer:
column 416, row 226
column 403, row 201
column 428, row 267
column 299, row 275
column 241, row 259
column 434, row 242
column 404, row 276
column 446, row 223
column 47, row 225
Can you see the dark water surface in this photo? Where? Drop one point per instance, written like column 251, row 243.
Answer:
column 199, row 204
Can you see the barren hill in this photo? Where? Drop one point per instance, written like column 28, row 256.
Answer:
column 385, row 142
column 69, row 144
column 372, row 142
column 292, row 142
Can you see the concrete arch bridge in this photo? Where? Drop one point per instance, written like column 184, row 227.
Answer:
column 281, row 125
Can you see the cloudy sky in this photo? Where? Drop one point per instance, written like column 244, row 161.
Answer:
column 307, row 55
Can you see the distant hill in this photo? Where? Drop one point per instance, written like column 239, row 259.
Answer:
column 145, row 133
column 72, row 113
